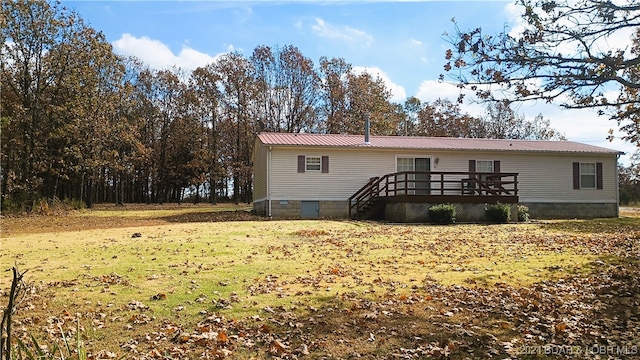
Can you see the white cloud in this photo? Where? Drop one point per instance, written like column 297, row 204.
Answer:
column 514, row 16
column 158, row 55
column 343, row 33
column 398, row 94
column 581, row 125
column 416, row 42
column 431, row 90
column 619, row 39
column 243, row 14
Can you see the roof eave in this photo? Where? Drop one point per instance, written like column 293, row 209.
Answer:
column 373, row 147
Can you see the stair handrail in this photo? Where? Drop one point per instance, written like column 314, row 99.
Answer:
column 364, row 194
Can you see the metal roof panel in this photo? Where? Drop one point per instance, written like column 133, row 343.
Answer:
column 430, row 143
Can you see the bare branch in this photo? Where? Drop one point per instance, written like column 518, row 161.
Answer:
column 559, row 55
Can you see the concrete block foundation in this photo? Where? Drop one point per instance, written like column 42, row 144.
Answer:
column 419, row 212
column 293, row 209
column 572, row 210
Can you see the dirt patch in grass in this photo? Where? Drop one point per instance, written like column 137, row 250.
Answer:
column 628, row 211
column 320, row 289
column 130, row 215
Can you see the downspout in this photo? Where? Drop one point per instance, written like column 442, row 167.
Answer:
column 269, row 181
column 618, row 183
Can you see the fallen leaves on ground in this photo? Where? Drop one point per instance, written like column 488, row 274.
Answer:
column 593, row 313
column 585, row 313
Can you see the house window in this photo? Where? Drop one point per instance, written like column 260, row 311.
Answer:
column 413, row 164
column 587, row 175
column 419, row 181
column 484, row 166
column 313, row 163
column 405, row 164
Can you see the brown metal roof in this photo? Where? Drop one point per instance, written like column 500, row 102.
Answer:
column 430, row 143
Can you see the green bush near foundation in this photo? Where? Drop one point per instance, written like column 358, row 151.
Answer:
column 442, row 214
column 498, row 213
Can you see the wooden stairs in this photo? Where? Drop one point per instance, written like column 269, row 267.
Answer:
column 366, row 203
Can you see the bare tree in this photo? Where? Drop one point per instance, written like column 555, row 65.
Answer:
column 288, row 89
column 564, row 53
column 502, row 122
column 237, row 125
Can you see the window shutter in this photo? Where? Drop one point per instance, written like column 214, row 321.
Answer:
column 576, row 175
column 496, row 166
column 325, row 164
column 472, row 165
column 301, row 163
column 599, row 176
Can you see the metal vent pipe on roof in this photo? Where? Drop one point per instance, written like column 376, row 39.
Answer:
column 367, row 130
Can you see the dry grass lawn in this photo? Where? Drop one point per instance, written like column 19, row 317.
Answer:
column 151, row 282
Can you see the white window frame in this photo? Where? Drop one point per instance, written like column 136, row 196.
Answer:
column 404, row 159
column 584, row 173
column 485, row 162
column 413, row 158
column 313, row 163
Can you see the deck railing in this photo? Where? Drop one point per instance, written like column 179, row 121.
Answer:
column 437, row 186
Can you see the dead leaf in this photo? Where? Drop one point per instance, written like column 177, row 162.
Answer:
column 560, row 328
column 222, row 337
column 277, row 348
column 159, row 296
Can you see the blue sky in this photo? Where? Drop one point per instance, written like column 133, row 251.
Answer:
column 403, row 39
column 400, row 41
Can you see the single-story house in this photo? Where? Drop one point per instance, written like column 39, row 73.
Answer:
column 398, row 178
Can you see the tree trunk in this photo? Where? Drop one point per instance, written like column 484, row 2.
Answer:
column 89, row 199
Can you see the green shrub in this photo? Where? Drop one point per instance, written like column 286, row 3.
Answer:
column 41, row 206
column 442, row 214
column 73, row 204
column 57, row 206
column 497, row 213
column 11, row 206
column 523, row 213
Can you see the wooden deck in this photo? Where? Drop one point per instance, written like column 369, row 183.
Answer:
column 433, row 188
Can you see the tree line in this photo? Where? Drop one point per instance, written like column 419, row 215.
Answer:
column 80, row 122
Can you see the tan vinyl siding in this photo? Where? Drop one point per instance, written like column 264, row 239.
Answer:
column 550, row 179
column 348, row 172
column 260, row 173
column 542, row 177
